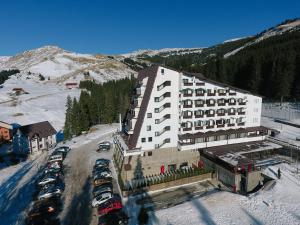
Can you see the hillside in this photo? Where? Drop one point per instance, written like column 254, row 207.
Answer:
column 60, row 65
column 42, row 75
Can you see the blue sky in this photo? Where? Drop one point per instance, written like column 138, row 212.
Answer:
column 112, row 27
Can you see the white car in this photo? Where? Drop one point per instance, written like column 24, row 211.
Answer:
column 47, row 179
column 103, row 174
column 101, row 198
column 49, row 191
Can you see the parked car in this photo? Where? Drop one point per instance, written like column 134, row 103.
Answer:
column 59, row 152
column 54, row 171
column 98, row 170
column 115, row 217
column 55, row 165
column 102, row 181
column 101, row 198
column 103, row 188
column 55, row 158
column 43, row 212
column 102, row 162
column 48, row 178
column 110, row 205
column 50, row 191
column 67, row 148
column 103, row 174
column 104, row 146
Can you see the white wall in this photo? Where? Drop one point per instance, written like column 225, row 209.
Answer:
column 169, row 75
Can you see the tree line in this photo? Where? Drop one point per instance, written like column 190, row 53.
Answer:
column 97, row 104
column 270, row 68
column 5, row 74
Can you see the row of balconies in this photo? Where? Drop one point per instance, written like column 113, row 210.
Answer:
column 208, row 124
column 213, row 113
column 188, row 103
column 212, row 126
column 208, row 92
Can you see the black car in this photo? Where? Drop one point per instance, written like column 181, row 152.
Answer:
column 103, row 188
column 116, row 217
column 100, row 170
column 44, row 212
column 102, row 162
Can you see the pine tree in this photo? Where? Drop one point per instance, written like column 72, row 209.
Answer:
column 68, row 121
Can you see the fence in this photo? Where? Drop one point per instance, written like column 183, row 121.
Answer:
column 285, row 111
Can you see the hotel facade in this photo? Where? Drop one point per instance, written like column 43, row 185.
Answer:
column 174, row 115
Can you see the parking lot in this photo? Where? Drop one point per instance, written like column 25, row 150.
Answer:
column 77, row 197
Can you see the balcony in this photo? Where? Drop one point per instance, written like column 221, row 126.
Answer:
column 211, row 93
column 198, row 127
column 187, row 94
column 165, row 141
column 165, row 117
column 188, row 106
column 241, row 113
column 231, row 113
column 167, row 128
column 241, row 124
column 164, row 106
column 187, row 128
column 221, row 114
column 163, row 85
column 187, row 116
column 165, row 95
column 199, row 115
column 187, row 84
column 210, row 126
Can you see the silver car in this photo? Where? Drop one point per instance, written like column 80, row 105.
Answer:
column 49, row 192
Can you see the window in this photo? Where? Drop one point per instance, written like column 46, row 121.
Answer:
column 156, row 121
column 156, row 110
column 149, row 153
column 149, row 115
column 185, row 81
column 162, row 71
column 156, row 99
column 143, row 140
column 149, row 139
column 148, row 128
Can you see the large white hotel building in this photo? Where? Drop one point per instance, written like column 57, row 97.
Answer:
column 175, row 114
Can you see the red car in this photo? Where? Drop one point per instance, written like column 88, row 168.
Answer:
column 111, row 204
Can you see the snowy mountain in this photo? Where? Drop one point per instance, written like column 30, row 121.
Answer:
column 288, row 26
column 60, row 65
column 164, row 52
column 46, row 99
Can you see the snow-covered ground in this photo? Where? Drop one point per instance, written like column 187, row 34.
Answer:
column 45, row 101
column 17, row 183
column 287, row 112
column 279, row 205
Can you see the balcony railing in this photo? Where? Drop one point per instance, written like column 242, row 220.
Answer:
column 167, row 128
column 164, row 106
column 165, row 141
column 165, row 117
column 187, row 84
column 165, row 95
column 164, row 84
column 188, row 106
column 199, row 115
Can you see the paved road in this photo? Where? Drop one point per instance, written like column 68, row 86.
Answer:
column 77, row 196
